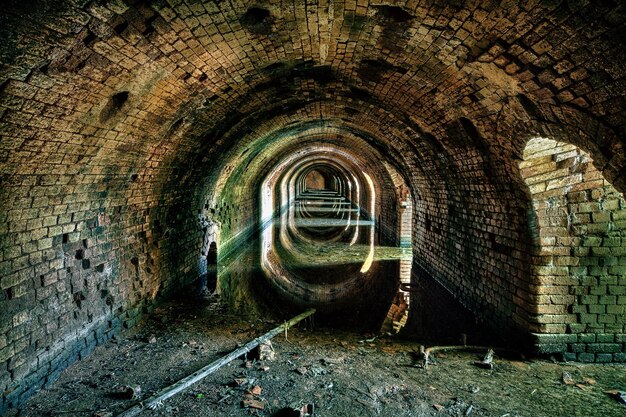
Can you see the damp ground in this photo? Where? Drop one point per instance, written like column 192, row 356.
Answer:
column 326, row 371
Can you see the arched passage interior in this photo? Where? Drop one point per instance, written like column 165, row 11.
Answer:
column 125, row 125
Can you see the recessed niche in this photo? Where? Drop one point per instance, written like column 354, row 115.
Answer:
column 257, row 20
column 115, row 103
column 394, row 13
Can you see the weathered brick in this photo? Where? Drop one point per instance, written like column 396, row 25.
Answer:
column 81, row 159
column 604, row 347
column 586, row 357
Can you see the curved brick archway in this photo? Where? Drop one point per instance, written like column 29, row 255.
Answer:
column 580, row 261
column 122, row 122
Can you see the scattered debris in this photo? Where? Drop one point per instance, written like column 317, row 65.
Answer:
column 567, row 378
column 370, row 340
column 332, row 361
column 213, row 366
column 301, row 370
column 103, row 414
column 266, row 351
column 534, row 387
column 151, row 339
column 469, row 410
column 617, row 395
column 237, row 382
column 255, row 390
column 128, row 392
column 307, row 410
column 224, row 398
column 365, row 403
column 487, row 362
column 252, row 403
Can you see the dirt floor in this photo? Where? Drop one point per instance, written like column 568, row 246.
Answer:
column 320, row 371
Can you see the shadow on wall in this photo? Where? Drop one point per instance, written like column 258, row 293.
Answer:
column 437, row 318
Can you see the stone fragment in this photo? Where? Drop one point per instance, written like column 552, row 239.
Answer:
column 266, row 351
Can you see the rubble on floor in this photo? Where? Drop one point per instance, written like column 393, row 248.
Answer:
column 319, row 372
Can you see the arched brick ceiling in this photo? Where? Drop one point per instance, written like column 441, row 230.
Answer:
column 191, row 69
column 140, row 106
column 121, row 119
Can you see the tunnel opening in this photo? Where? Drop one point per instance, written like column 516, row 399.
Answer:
column 331, row 229
column 207, row 282
column 314, row 180
column 320, row 246
column 139, row 141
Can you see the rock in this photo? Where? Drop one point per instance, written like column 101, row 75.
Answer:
column 255, row 390
column 301, row 370
column 332, row 361
column 567, row 378
column 317, row 371
column 132, row 392
column 239, row 382
column 487, row 362
column 129, row 392
column 266, row 351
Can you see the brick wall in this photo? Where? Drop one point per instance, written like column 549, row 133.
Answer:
column 470, row 231
column 580, row 272
column 119, row 118
column 81, row 261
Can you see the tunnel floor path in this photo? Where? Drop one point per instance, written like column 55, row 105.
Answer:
column 340, row 373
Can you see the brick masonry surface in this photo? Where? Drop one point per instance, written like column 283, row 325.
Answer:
column 580, row 232
column 122, row 122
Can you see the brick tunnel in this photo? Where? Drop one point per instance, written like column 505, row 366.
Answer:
column 364, row 158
